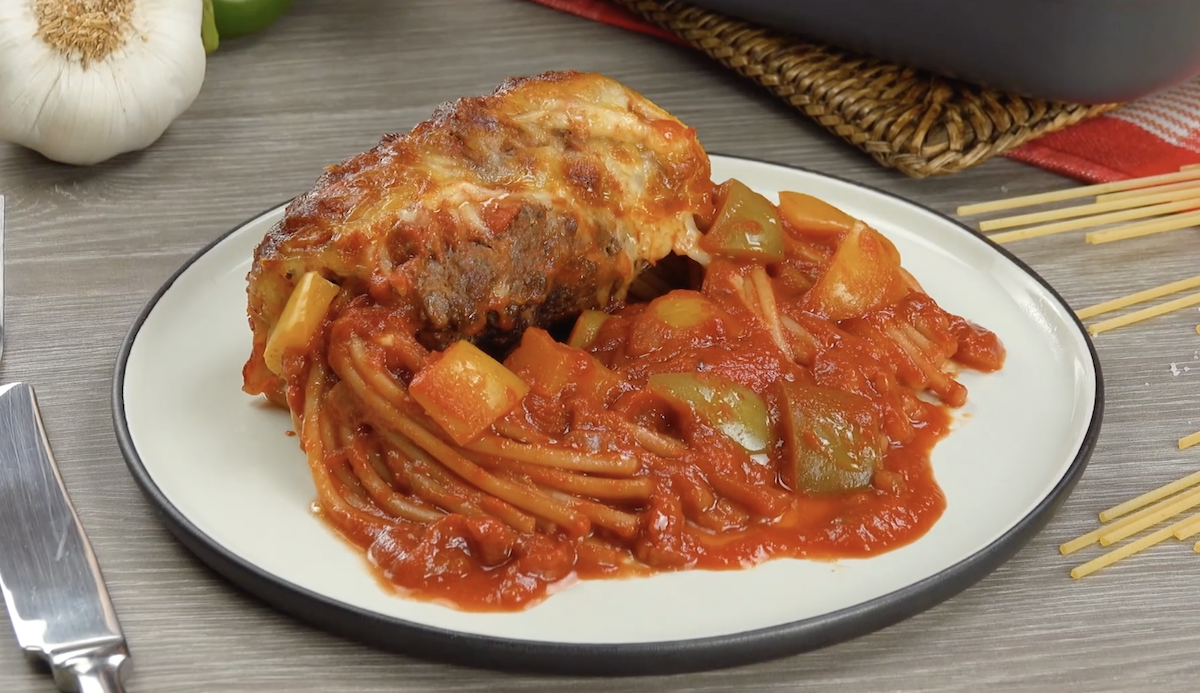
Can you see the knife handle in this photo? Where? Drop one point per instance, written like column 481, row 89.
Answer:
column 97, row 671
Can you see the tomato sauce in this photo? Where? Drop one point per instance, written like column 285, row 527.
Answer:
column 770, row 416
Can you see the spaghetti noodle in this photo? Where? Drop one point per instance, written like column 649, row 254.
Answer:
column 773, row 388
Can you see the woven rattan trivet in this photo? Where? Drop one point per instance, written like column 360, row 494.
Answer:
column 914, row 121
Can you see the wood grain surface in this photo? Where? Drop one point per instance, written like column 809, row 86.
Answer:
column 88, row 247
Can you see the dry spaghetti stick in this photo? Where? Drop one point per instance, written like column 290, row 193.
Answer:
column 1086, row 210
column 1072, row 193
column 1088, row 539
column 1177, row 505
column 1145, row 228
column 1142, row 192
column 1138, row 297
column 1098, row 220
column 1190, row 440
column 1022, row 234
column 1188, row 530
column 1129, row 549
column 1190, row 167
column 1149, row 497
column 1144, row 314
column 1094, row 536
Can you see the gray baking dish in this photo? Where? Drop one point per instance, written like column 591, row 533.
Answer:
column 1082, row 51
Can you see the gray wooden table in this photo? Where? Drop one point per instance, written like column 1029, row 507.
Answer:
column 88, row 247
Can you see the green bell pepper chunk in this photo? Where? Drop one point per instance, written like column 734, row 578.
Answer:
column 833, row 439
column 732, row 409
column 746, row 227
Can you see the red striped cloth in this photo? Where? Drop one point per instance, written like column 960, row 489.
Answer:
column 1157, row 134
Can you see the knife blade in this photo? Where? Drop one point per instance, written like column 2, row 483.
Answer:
column 52, row 584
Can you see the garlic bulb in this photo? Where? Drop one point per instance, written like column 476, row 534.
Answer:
column 82, row 81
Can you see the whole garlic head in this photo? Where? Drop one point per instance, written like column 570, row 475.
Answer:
column 82, row 81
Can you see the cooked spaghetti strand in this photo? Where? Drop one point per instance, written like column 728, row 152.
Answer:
column 434, row 479
column 655, row 442
column 379, row 490
column 625, row 524
column 603, row 488
column 330, row 501
column 769, row 311
column 531, row 501
column 562, row 458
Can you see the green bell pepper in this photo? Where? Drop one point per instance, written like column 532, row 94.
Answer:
column 746, row 226
column 208, row 28
column 731, row 408
column 244, row 17
column 833, row 440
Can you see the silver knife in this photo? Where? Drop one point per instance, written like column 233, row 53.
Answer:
column 52, row 585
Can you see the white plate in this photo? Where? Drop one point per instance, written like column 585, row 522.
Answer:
column 235, row 488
